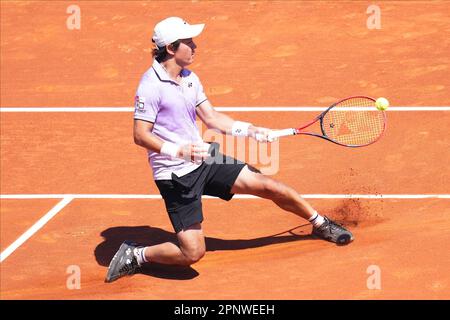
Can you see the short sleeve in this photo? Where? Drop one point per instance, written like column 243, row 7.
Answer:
column 146, row 103
column 201, row 96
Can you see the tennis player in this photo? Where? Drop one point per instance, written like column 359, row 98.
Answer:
column 168, row 99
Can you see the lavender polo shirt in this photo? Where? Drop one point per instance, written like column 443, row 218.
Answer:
column 171, row 108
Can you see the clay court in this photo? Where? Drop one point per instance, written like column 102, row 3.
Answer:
column 74, row 185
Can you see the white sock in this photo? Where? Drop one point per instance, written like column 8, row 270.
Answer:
column 316, row 220
column 139, row 253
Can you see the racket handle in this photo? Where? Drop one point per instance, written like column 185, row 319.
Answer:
column 273, row 135
column 281, row 133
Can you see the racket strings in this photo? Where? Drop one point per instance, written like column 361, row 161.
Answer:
column 355, row 121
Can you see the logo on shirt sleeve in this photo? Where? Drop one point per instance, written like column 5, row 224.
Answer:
column 139, row 104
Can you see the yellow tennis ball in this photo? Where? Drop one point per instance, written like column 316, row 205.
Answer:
column 382, row 104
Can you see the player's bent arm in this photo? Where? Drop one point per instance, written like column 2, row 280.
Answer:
column 214, row 119
column 226, row 125
column 144, row 137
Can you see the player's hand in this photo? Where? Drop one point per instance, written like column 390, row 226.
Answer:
column 261, row 134
column 194, row 152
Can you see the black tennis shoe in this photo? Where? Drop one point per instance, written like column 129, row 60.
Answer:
column 331, row 231
column 124, row 262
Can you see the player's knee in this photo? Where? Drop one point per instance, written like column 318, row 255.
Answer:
column 194, row 254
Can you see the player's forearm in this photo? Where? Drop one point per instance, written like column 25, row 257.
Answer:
column 194, row 152
column 220, row 122
column 148, row 141
column 224, row 123
column 227, row 125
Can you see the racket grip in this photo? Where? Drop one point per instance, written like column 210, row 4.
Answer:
column 281, row 133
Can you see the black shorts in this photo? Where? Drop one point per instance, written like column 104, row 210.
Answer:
column 183, row 195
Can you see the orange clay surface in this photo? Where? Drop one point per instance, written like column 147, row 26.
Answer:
column 250, row 54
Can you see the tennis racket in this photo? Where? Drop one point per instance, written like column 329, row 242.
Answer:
column 351, row 122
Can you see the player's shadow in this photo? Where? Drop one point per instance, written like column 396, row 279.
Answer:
column 113, row 237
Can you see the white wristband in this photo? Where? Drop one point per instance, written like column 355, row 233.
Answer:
column 169, row 149
column 240, row 128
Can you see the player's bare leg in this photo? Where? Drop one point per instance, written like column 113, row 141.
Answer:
column 254, row 183
column 130, row 256
column 190, row 250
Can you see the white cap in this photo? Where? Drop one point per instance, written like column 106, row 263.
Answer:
column 174, row 28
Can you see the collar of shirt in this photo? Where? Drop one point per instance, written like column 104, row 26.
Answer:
column 162, row 73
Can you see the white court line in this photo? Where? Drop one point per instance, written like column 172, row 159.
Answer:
column 224, row 109
column 38, row 225
column 67, row 198
column 238, row 196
